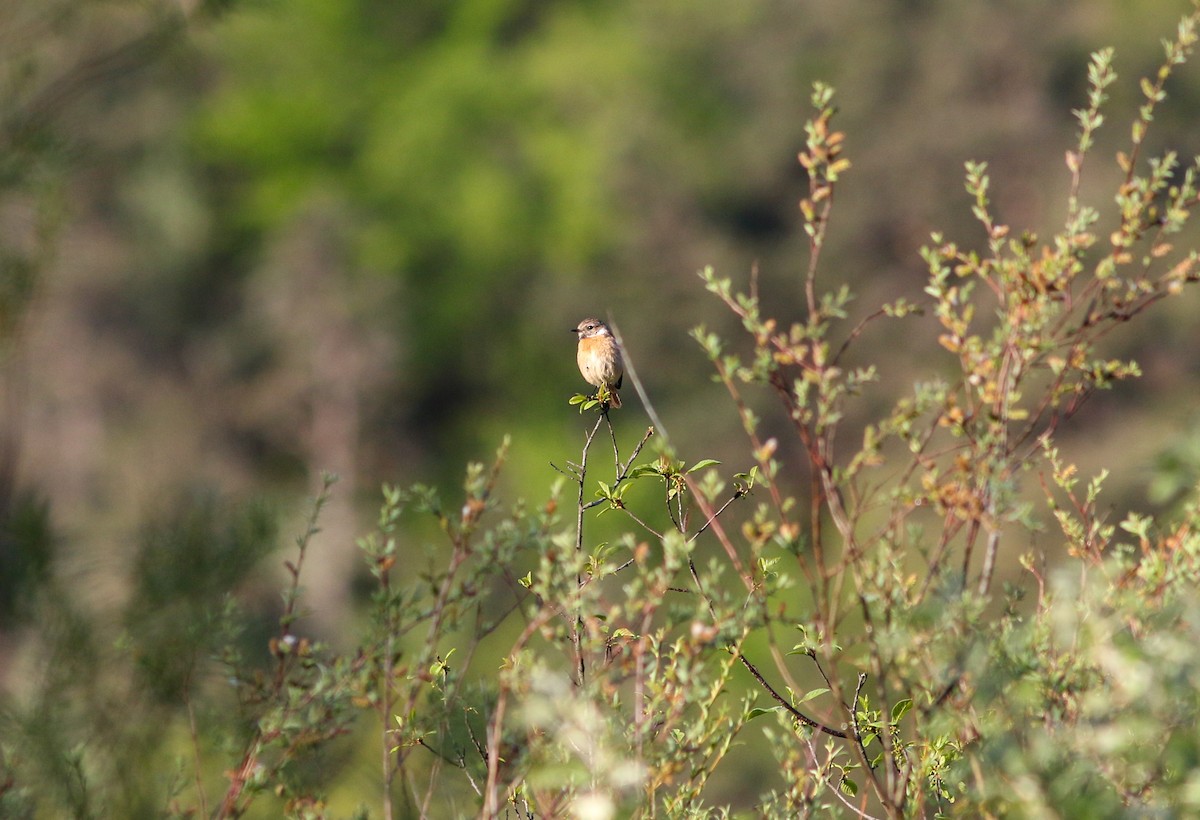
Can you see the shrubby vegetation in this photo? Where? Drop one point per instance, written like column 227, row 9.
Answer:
column 858, row 628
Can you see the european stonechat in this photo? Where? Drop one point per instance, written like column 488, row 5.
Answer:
column 599, row 358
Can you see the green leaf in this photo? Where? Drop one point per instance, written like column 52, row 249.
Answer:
column 900, row 709
column 758, row 712
column 816, row 693
column 702, row 463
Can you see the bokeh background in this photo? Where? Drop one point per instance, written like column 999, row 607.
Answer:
column 243, row 242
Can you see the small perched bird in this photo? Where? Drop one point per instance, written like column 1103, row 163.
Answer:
column 599, row 358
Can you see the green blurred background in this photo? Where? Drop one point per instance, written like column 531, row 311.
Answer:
column 247, row 241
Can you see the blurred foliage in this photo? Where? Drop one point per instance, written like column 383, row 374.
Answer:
column 1176, row 470
column 186, row 565
column 487, row 155
column 246, row 241
column 26, row 554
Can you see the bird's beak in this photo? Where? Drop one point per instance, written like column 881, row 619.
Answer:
column 573, row 330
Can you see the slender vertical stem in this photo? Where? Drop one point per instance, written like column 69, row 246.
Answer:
column 616, row 452
column 191, row 716
column 581, row 478
column 386, row 713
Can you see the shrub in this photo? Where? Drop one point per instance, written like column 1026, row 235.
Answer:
column 855, row 625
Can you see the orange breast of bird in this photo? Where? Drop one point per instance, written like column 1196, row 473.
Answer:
column 597, row 361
